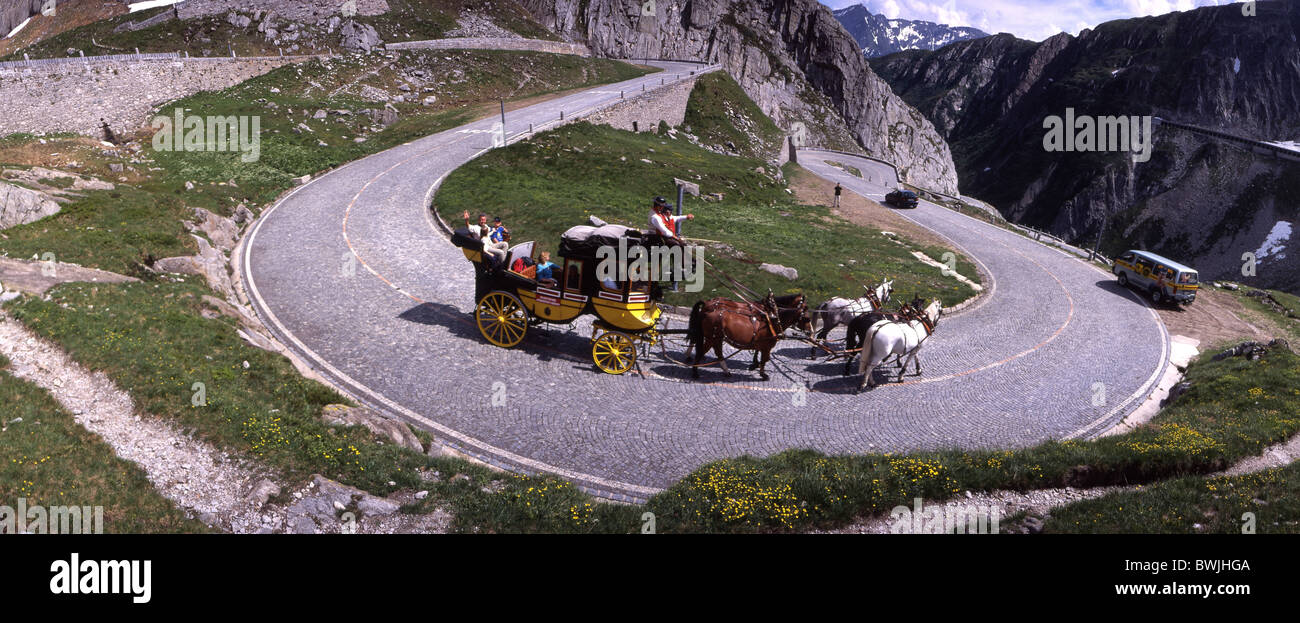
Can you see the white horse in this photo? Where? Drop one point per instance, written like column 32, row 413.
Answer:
column 838, row 311
column 887, row 337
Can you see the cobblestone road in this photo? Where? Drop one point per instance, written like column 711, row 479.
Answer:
column 351, row 271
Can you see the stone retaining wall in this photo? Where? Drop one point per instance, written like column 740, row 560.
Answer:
column 74, row 96
column 307, row 11
column 642, row 112
column 487, row 43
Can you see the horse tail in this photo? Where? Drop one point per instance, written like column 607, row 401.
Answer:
column 695, row 329
column 868, row 339
column 816, row 316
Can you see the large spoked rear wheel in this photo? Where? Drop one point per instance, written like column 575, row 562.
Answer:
column 502, row 319
column 614, row 352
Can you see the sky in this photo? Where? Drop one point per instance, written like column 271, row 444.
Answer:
column 1033, row 19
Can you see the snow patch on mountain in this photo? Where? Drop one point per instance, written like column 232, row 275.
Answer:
column 18, row 28
column 1274, row 243
column 878, row 35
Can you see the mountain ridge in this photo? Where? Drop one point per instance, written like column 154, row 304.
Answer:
column 1197, row 199
column 878, row 35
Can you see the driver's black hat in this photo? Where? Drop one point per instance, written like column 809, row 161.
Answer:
column 660, row 202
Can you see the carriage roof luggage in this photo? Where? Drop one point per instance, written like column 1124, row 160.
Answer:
column 582, row 241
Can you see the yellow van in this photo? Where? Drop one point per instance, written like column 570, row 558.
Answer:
column 1162, row 278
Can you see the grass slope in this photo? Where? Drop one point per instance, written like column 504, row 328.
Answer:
column 1191, row 505
column 50, row 460
column 719, row 112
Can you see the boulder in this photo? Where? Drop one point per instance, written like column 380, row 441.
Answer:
column 385, row 117
column 19, row 205
column 209, row 264
column 359, row 37
column 783, row 271
column 262, row 491
column 323, row 501
column 397, row 432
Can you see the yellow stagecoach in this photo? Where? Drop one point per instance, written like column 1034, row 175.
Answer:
column 511, row 298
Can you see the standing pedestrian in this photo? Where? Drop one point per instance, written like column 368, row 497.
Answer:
column 838, row 191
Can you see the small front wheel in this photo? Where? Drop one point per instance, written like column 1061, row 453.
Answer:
column 1123, row 279
column 614, row 353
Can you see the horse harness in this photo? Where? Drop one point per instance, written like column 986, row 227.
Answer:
column 755, row 313
column 904, row 316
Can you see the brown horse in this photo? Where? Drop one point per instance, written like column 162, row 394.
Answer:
column 746, row 326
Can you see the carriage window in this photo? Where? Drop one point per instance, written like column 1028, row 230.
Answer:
column 572, row 275
column 640, row 286
column 611, row 285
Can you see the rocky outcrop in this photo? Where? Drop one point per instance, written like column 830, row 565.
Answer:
column 792, row 58
column 360, row 37
column 209, row 263
column 392, row 430
column 68, row 184
column 37, row 276
column 20, row 205
column 13, row 12
column 223, row 232
column 321, row 507
column 1201, row 201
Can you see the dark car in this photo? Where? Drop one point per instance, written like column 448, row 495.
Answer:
column 901, row 199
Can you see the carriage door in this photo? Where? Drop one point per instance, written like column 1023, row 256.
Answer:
column 572, row 281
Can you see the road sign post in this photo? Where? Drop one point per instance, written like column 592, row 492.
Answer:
column 683, row 187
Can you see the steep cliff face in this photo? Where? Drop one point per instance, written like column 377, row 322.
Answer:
column 1212, row 67
column 792, row 58
column 13, row 12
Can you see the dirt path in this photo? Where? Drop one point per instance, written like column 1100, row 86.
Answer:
column 1217, row 319
column 224, row 492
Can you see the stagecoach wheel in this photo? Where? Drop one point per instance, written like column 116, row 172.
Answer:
column 1157, row 296
column 502, row 319
column 614, row 353
column 1123, row 279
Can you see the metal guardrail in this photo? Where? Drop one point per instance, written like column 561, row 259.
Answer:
column 891, row 165
column 1259, row 147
